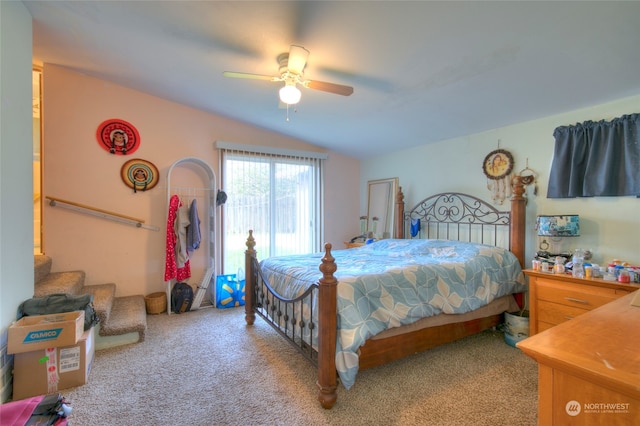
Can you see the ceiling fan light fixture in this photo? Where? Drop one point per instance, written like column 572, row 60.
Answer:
column 290, row 94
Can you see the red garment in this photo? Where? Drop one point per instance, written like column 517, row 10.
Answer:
column 171, row 269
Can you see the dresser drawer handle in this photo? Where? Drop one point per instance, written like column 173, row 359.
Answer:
column 571, row 299
column 568, row 318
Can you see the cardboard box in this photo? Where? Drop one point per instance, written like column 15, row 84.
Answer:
column 45, row 331
column 54, row 369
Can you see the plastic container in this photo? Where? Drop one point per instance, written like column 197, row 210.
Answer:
column 577, row 269
column 618, row 270
column 623, row 276
column 516, row 327
column 544, row 266
column 558, row 268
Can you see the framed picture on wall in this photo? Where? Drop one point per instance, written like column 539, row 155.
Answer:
column 497, row 164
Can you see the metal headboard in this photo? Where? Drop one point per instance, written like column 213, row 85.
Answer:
column 461, row 217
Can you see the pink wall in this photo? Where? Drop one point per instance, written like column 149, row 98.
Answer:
column 76, row 168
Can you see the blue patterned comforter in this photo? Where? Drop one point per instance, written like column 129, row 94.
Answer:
column 395, row 282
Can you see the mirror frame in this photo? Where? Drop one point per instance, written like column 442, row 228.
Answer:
column 381, row 198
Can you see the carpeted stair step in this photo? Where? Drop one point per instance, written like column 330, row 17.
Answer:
column 103, row 297
column 128, row 314
column 70, row 282
column 122, row 320
column 41, row 267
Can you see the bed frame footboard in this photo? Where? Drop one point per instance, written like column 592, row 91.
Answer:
column 286, row 317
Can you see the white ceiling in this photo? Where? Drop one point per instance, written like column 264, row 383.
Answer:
column 422, row 71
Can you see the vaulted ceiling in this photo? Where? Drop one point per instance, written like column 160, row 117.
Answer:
column 421, row 71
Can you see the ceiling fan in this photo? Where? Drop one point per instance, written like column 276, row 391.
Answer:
column 291, row 73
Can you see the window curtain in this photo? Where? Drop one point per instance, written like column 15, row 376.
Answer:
column 595, row 159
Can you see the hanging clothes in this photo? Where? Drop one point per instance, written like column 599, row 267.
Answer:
column 193, row 230
column 172, row 270
column 180, row 227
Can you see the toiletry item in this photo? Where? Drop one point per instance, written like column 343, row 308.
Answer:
column 577, row 269
column 623, row 276
column 596, row 271
column 588, row 272
column 558, row 268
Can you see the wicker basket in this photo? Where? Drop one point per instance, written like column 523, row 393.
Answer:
column 156, row 302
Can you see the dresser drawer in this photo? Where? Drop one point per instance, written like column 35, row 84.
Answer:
column 542, row 326
column 578, row 296
column 556, row 298
column 555, row 313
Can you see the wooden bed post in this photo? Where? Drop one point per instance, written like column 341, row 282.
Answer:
column 250, row 280
column 518, row 217
column 399, row 214
column 327, row 330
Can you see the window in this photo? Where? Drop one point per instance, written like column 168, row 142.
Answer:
column 276, row 194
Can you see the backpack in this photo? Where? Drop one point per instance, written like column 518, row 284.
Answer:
column 181, row 298
column 59, row 303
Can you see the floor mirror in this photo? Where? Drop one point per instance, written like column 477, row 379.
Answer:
column 380, row 211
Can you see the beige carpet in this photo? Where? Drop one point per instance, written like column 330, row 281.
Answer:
column 208, row 368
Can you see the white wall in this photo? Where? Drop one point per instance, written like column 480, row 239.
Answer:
column 16, row 211
column 610, row 226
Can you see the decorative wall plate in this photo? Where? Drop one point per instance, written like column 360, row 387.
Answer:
column 118, row 137
column 139, row 175
column 497, row 164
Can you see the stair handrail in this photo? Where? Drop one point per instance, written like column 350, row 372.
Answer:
column 95, row 211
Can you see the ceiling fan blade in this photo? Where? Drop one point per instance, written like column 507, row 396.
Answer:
column 234, row 74
column 297, row 59
column 338, row 89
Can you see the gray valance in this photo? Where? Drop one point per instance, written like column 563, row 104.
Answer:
column 594, row 159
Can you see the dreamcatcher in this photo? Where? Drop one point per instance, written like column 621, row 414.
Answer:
column 529, row 176
column 497, row 166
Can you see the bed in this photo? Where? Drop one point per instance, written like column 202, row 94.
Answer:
column 348, row 310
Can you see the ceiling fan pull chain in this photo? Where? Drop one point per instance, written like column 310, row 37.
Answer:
column 295, row 109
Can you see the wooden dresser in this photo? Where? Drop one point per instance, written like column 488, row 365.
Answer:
column 556, row 298
column 589, row 367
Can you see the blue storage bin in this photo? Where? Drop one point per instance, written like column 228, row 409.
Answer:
column 229, row 291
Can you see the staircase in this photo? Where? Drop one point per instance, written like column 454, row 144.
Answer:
column 123, row 320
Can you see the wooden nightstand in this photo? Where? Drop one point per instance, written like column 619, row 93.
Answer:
column 352, row 245
column 556, row 298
